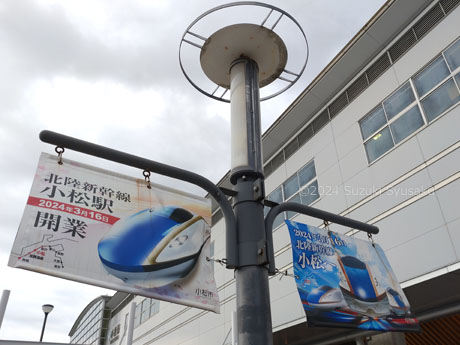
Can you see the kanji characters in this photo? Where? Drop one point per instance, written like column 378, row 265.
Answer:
column 48, row 220
column 75, row 227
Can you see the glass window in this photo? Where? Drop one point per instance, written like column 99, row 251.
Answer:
column 407, row 124
column 310, row 193
column 278, row 220
column 453, row 55
column 307, row 173
column 296, row 199
column 457, row 78
column 379, row 144
column 137, row 316
column 288, row 191
column 145, row 310
column 399, row 101
column 291, row 186
column 145, row 316
column 154, row 307
column 431, row 76
column 145, row 304
column 441, row 99
column 372, row 122
column 276, row 196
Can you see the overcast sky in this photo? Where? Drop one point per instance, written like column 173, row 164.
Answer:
column 107, row 71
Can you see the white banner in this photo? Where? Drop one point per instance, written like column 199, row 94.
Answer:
column 97, row 227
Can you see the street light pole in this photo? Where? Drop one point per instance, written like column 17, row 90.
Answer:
column 47, row 308
column 242, row 58
column 3, row 303
column 252, row 290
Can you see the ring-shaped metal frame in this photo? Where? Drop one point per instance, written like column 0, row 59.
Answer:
column 243, row 3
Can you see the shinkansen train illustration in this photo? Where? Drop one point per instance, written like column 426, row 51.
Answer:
column 396, row 302
column 153, row 247
column 325, row 297
column 359, row 288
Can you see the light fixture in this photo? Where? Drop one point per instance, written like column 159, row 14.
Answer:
column 47, row 308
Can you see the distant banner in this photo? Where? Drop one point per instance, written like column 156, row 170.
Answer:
column 347, row 282
column 97, row 227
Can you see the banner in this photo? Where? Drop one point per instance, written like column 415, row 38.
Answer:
column 347, row 282
column 97, row 227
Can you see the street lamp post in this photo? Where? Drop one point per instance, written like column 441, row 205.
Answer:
column 242, row 58
column 47, row 308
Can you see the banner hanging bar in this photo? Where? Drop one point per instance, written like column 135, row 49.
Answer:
column 82, row 146
column 312, row 212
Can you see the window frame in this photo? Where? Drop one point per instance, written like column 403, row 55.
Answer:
column 145, row 314
column 296, row 193
column 417, row 102
column 438, row 86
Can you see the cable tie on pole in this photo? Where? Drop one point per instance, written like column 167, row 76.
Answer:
column 220, row 261
column 285, row 274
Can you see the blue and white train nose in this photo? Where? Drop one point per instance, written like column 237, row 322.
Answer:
column 360, row 292
column 397, row 304
column 153, row 247
column 326, row 298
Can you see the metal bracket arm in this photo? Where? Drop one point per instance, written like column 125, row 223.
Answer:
column 312, row 212
column 159, row 168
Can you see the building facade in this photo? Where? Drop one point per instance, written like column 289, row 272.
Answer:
column 91, row 325
column 375, row 137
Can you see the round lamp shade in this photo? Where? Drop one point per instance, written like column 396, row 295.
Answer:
column 47, row 308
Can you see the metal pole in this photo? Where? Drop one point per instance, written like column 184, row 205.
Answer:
column 43, row 328
column 234, row 329
column 3, row 304
column 132, row 312
column 252, row 290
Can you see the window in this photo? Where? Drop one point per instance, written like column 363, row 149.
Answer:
column 309, row 193
column 291, row 186
column 275, row 196
column 307, row 173
column 137, row 315
column 89, row 328
column 302, row 187
column 452, row 56
column 372, row 122
column 154, row 308
column 399, row 101
column 431, row 76
column 440, row 99
column 145, row 310
column 380, row 143
column 406, row 124
column 389, row 123
column 457, row 78
column 419, row 101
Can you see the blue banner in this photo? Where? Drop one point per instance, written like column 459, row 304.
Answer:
column 347, row 282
